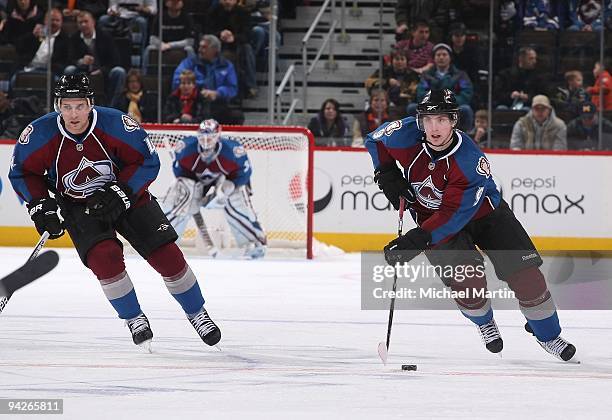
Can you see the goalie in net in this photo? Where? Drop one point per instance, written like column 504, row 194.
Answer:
column 214, row 172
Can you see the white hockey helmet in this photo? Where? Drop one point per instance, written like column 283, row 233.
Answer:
column 208, row 136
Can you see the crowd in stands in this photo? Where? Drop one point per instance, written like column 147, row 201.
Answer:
column 211, row 50
column 537, row 84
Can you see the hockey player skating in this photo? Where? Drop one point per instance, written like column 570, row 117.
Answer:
column 214, row 172
column 447, row 182
column 99, row 163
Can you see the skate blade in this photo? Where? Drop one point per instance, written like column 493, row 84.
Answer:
column 146, row 345
column 382, row 352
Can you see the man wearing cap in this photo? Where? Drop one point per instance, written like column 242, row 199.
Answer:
column 540, row 129
column 444, row 75
column 583, row 131
column 466, row 55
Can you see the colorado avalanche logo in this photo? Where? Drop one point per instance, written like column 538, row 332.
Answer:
column 24, row 137
column 483, row 167
column 129, row 123
column 388, row 129
column 88, row 177
column 427, row 194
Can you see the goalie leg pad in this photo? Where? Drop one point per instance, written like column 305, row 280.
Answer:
column 242, row 219
column 182, row 201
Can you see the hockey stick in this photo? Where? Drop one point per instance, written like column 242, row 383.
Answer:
column 383, row 350
column 4, row 297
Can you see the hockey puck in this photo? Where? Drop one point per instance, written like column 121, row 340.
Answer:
column 409, row 367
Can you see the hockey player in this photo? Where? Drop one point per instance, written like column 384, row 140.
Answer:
column 209, row 160
column 98, row 163
column 446, row 181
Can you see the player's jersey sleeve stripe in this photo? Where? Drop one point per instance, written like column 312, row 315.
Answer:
column 396, row 135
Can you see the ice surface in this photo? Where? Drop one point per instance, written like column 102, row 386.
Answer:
column 295, row 345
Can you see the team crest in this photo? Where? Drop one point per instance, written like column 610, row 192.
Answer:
column 483, row 167
column 179, row 146
column 24, row 137
column 427, row 194
column 129, row 123
column 89, row 176
column 239, row 151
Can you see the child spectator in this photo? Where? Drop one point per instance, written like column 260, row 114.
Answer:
column 186, row 104
column 603, row 86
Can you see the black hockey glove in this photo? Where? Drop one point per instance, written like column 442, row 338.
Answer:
column 406, row 247
column 43, row 213
column 390, row 180
column 109, row 202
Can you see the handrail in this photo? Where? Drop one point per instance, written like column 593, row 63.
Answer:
column 329, row 39
column 288, row 74
column 329, row 35
column 315, row 22
column 290, row 111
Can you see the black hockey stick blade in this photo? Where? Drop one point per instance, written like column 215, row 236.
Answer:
column 28, row 272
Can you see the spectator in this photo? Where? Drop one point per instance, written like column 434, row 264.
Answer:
column 444, row 75
column 507, row 24
column 583, row 131
column 186, row 104
column 376, row 114
column 418, row 48
column 97, row 8
column 540, row 129
column 215, row 77
column 34, row 48
column 130, row 12
column 515, row 87
column 399, row 81
column 603, row 85
column 136, row 101
column 177, row 32
column 10, row 128
column 569, row 98
column 481, row 127
column 585, row 15
column 541, row 15
column 466, row 56
column 94, row 52
column 439, row 13
column 230, row 23
column 21, row 22
column 329, row 126
column 260, row 32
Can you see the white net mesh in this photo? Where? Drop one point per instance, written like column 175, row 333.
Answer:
column 279, row 183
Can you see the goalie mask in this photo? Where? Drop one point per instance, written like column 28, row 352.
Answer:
column 208, row 136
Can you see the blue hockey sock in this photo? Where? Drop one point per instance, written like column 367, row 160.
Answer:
column 185, row 289
column 121, row 294
column 546, row 329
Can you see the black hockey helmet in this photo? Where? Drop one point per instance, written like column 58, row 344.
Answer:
column 73, row 86
column 438, row 101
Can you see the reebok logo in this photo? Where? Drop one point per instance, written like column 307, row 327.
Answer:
column 529, row 257
column 163, row 227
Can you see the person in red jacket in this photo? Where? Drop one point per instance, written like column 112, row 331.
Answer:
column 603, row 85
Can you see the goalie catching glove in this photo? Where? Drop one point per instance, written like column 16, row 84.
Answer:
column 110, row 202
column 404, row 248
column 43, row 213
column 391, row 181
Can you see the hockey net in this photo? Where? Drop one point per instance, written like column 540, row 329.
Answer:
column 282, row 186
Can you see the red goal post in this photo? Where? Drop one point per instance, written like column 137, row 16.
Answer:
column 282, row 180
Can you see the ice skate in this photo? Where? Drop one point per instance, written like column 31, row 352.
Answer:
column 205, row 327
column 141, row 331
column 558, row 347
column 491, row 338
column 255, row 251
